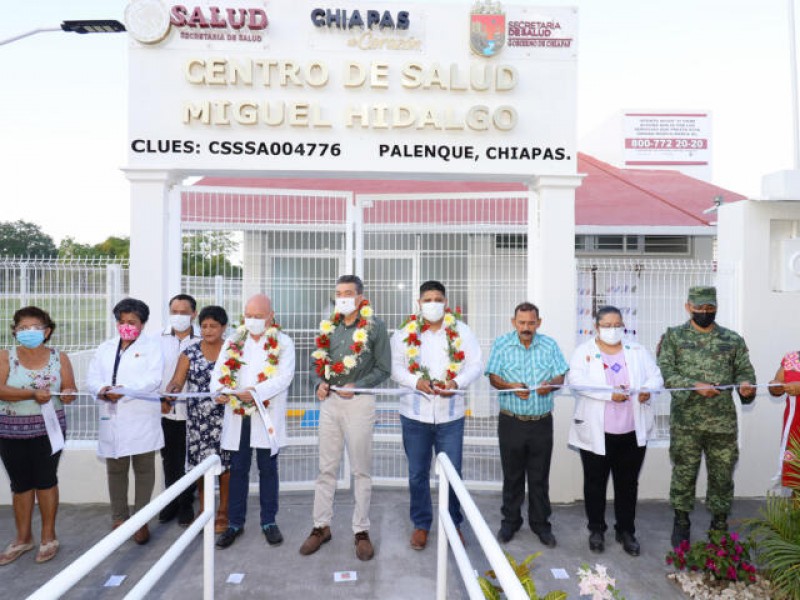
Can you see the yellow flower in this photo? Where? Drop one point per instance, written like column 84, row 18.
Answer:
column 349, row 362
column 232, row 353
column 270, row 370
column 412, row 352
column 457, row 343
column 411, row 327
column 225, row 370
column 272, row 331
column 449, row 320
column 326, row 326
column 317, row 354
column 360, row 336
column 454, row 367
column 366, row 312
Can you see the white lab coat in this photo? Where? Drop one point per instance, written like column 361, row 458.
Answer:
column 131, row 425
column 275, row 389
column 587, row 430
column 433, row 354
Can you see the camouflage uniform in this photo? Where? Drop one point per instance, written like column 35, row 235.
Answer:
column 697, row 424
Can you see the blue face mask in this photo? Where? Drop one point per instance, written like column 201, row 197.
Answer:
column 31, row 338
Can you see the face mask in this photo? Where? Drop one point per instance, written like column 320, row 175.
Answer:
column 30, row 338
column 432, row 311
column 345, row 306
column 128, row 332
column 255, row 326
column 180, row 322
column 703, row 319
column 610, row 335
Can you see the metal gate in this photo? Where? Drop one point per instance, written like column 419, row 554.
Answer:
column 294, row 243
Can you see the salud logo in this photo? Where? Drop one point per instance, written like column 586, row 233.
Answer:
column 487, row 34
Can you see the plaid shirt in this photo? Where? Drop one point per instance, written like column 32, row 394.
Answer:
column 514, row 363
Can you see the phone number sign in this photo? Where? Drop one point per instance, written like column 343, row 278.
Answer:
column 667, row 139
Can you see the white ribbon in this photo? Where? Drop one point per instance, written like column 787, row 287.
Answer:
column 232, row 426
column 785, row 436
column 53, row 427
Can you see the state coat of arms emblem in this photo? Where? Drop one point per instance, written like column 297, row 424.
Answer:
column 487, row 33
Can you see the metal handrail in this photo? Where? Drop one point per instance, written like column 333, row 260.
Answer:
column 72, row 574
column 447, row 534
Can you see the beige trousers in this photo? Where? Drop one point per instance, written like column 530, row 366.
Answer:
column 345, row 422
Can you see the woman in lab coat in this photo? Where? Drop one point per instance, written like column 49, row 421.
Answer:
column 130, row 425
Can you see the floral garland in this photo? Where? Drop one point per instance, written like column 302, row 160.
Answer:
column 321, row 356
column 234, row 362
column 413, row 330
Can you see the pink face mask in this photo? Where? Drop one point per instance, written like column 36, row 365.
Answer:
column 128, row 332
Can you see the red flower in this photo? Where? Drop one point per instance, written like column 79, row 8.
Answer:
column 273, row 343
column 319, row 366
column 414, row 367
column 412, row 318
column 459, row 356
column 323, row 341
column 451, row 333
column 266, row 403
column 232, row 363
column 357, row 347
column 362, row 323
column 261, row 377
column 425, row 327
column 338, row 367
column 450, row 375
column 238, row 411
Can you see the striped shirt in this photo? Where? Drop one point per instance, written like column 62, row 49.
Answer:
column 515, row 363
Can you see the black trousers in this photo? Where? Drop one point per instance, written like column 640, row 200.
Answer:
column 525, row 450
column 173, row 457
column 623, row 461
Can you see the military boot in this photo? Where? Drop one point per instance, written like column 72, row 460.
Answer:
column 719, row 523
column 680, row 528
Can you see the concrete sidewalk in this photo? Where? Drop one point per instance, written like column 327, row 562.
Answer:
column 396, row 572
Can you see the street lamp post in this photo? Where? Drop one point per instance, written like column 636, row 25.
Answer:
column 92, row 26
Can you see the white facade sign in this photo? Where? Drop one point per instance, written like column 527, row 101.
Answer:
column 393, row 88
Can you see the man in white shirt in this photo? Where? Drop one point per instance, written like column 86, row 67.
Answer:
column 437, row 356
column 179, row 334
column 253, row 372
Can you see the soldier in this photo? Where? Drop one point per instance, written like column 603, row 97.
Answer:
column 702, row 355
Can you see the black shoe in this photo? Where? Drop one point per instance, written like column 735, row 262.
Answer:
column 597, row 542
column 228, row 537
column 547, row 538
column 273, row 534
column 185, row 515
column 719, row 523
column 629, row 543
column 681, row 528
column 168, row 513
column 505, row 534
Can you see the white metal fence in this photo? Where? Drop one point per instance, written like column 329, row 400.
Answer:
column 79, row 294
column 234, row 246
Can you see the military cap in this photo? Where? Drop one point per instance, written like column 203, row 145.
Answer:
column 702, row 294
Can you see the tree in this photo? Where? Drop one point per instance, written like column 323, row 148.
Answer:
column 112, row 246
column 21, row 238
column 208, row 253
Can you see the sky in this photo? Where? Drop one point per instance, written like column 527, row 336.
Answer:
column 63, row 97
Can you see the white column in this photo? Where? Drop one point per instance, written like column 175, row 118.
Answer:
column 552, row 284
column 551, row 254
column 155, row 241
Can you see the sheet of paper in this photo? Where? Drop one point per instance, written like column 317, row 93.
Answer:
column 340, row 576
column 235, row 578
column 115, row 581
column 560, row 573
